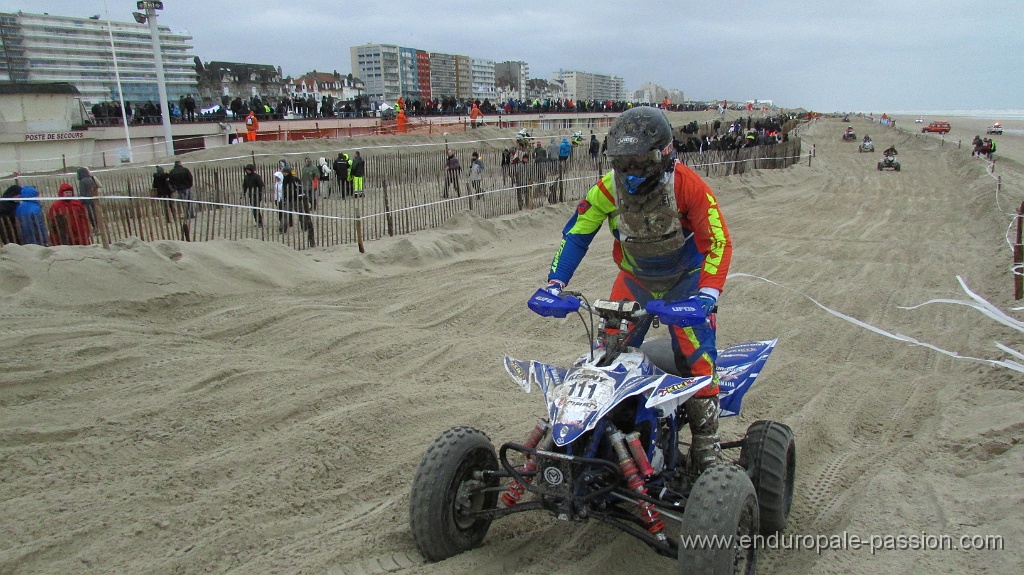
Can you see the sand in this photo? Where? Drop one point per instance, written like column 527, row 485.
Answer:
column 240, row 407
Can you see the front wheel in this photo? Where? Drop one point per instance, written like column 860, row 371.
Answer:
column 879, row 166
column 721, row 515
column 445, row 490
column 769, row 456
column 897, row 166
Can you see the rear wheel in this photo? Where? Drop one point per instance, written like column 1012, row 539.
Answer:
column 721, row 509
column 769, row 456
column 445, row 489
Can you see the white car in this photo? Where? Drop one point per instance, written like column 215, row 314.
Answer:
column 919, row 120
column 996, row 128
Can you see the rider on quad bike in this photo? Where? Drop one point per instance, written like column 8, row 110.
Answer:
column 890, row 151
column 671, row 243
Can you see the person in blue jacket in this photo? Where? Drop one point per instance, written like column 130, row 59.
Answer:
column 30, row 218
column 564, row 150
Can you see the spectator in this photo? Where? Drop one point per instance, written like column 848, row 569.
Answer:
column 162, row 189
column 252, row 126
column 358, row 170
column 290, row 191
column 325, row 175
column 68, row 220
column 180, row 179
column 88, row 187
column 340, row 174
column 253, row 188
column 30, row 218
column 476, row 174
column 452, row 171
column 475, row 115
column 564, row 150
column 345, row 176
column 296, row 201
column 190, row 108
column 540, row 168
column 506, row 165
column 9, row 233
column 595, row 149
column 310, row 179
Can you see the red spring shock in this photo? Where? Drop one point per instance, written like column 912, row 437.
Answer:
column 515, row 490
column 648, row 513
column 639, row 455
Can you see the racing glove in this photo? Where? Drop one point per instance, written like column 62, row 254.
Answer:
column 554, row 287
column 707, row 301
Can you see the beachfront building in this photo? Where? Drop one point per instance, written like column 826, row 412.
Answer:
column 389, row 72
column 588, row 86
column 334, row 86
column 220, row 79
column 649, row 93
column 377, row 65
column 443, row 75
column 510, row 79
column 482, row 79
column 41, row 48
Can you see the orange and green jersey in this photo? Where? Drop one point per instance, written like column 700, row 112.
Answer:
column 708, row 246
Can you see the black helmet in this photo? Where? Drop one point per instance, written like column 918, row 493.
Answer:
column 639, row 146
column 639, row 130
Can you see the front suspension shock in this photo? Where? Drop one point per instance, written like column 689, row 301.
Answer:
column 515, row 490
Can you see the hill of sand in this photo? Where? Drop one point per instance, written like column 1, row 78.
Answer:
column 239, row 407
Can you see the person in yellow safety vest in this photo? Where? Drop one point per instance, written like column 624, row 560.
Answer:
column 348, row 175
column 252, row 124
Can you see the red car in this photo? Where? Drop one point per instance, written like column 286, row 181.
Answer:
column 940, row 127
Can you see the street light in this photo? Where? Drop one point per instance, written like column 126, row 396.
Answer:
column 151, row 6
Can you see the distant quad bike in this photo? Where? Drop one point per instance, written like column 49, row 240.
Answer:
column 888, row 163
column 849, row 136
column 609, row 450
column 866, row 146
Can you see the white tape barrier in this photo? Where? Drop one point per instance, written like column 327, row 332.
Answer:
column 986, row 308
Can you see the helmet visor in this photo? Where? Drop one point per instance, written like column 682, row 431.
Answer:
column 639, row 165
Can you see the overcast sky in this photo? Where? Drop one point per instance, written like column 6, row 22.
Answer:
column 853, row 55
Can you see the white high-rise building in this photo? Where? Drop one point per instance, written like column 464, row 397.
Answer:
column 43, row 48
column 588, row 86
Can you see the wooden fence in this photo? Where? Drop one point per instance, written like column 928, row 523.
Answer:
column 404, row 192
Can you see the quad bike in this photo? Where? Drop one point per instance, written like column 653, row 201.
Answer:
column 866, row 146
column 849, row 136
column 608, row 449
column 888, row 163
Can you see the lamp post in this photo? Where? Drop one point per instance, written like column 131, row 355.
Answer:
column 151, row 6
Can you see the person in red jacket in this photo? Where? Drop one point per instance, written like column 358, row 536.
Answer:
column 671, row 244
column 68, row 220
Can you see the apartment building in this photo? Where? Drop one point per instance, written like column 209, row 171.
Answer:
column 510, row 78
column 390, row 71
column 482, row 80
column 589, row 86
column 42, row 48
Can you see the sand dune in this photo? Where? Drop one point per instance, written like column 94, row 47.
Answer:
column 239, row 407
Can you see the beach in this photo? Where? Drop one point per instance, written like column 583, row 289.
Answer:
column 242, row 407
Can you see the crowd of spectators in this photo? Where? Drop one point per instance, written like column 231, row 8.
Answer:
column 186, row 109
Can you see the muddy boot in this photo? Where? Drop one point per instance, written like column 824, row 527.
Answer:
column 702, row 415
